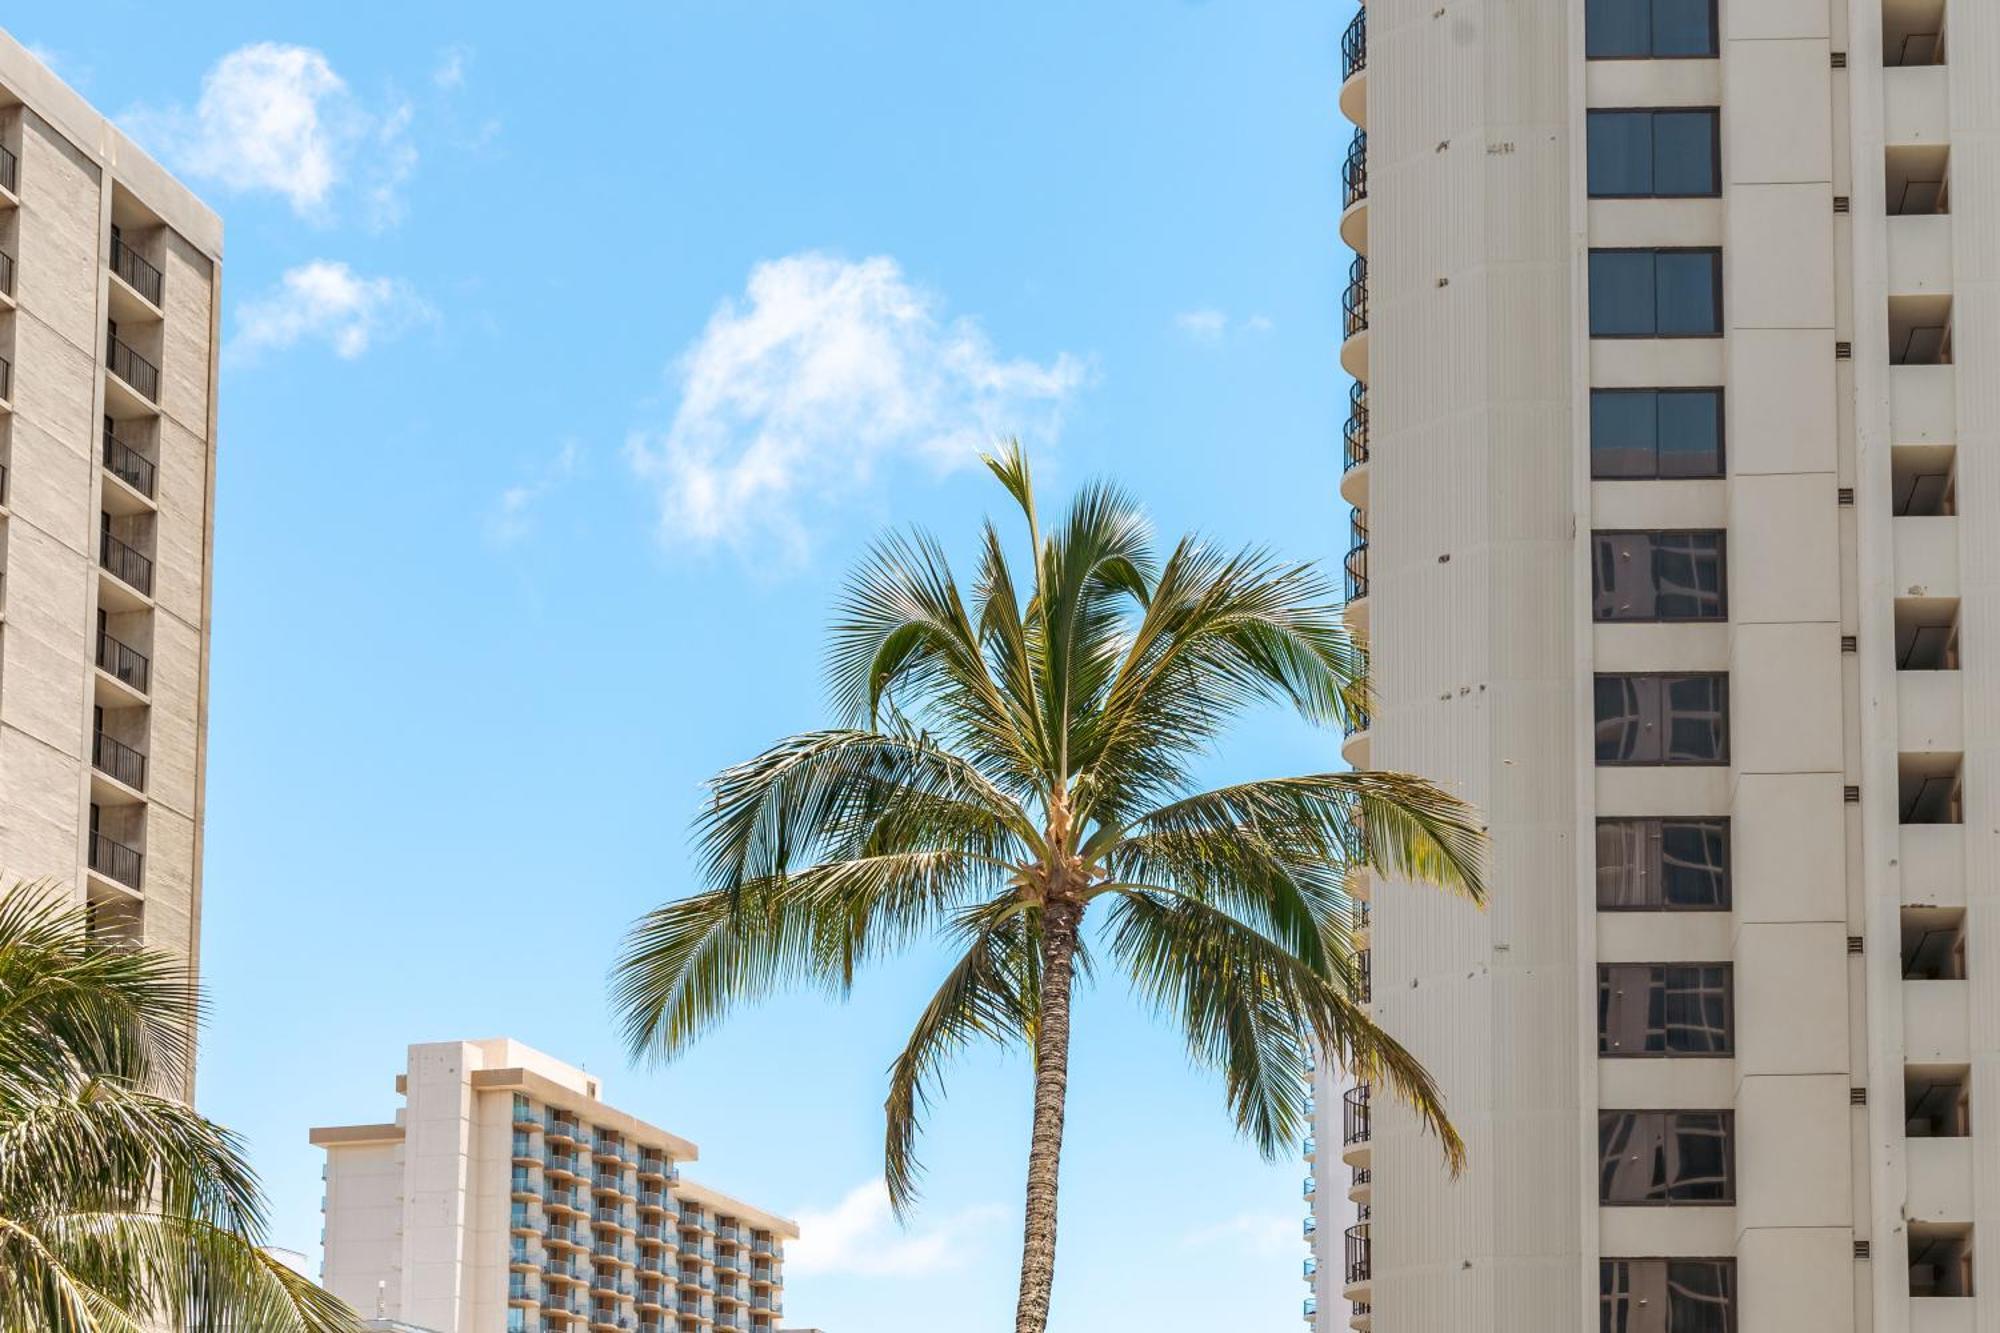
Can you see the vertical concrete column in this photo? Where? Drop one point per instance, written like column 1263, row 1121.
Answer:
column 1794, row 1186
column 437, row 1166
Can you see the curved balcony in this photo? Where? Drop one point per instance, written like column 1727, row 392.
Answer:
column 1364, row 976
column 1354, row 194
column 1354, row 69
column 1354, row 448
column 1362, row 1320
column 1360, row 1264
column 1354, row 740
column 1360, row 1183
column 1354, row 320
column 1354, row 1147
column 1356, row 566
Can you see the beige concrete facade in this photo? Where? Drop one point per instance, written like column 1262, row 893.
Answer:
column 1789, row 1137
column 109, row 279
column 508, row 1197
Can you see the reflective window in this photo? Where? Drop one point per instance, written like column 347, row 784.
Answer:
column 1657, row 575
column 1663, row 865
column 1647, row 433
column 1664, row 1009
column 1667, row 1296
column 1643, row 154
column 1655, row 293
column 1662, row 719
column 1666, row 1157
column 1649, row 29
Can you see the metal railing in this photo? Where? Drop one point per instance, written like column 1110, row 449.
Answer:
column 1354, row 436
column 1354, row 171
column 1354, row 1115
column 112, row 858
column 121, row 761
column 1354, row 46
column 124, row 562
column 1356, row 562
column 1354, row 301
column 1357, row 1176
column 6, row 273
column 6, row 379
column 134, row 369
column 128, row 464
column 123, row 662
column 136, row 269
column 10, row 171
column 1359, row 1261
column 1364, row 977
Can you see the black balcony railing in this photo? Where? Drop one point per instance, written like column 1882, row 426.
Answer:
column 136, row 269
column 1359, row 1267
column 1354, row 1115
column 1362, row 1309
column 1357, row 557
column 1354, row 171
column 1354, row 46
column 123, row 661
column 6, row 379
column 121, row 761
column 114, row 859
column 128, row 464
column 1354, row 436
column 10, row 171
column 1354, row 301
column 1357, row 1176
column 125, row 563
column 1364, row 977
column 6, row 273
column 134, row 369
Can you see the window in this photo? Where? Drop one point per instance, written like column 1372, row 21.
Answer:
column 1663, row 865
column 1666, row 1296
column 1648, row 29
column 1660, row 719
column 1666, row 1157
column 1657, row 576
column 1654, row 154
column 1647, row 433
column 1655, row 293
column 1664, row 1009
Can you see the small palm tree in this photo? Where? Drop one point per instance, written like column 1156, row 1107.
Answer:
column 1014, row 762
column 121, row 1209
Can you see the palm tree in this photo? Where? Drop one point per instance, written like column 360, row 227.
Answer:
column 121, row 1209
column 1009, row 764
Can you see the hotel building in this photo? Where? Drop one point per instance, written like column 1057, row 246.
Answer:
column 1676, row 542
column 109, row 273
column 508, row 1196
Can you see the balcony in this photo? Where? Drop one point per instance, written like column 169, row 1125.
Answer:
column 1310, row 1188
column 125, row 564
column 115, row 759
column 1354, row 1122
column 1354, row 447
column 127, row 464
column 1356, row 568
column 136, row 270
column 6, row 273
column 1364, row 976
column 1354, row 320
column 115, row 861
column 1360, row 1267
column 123, row 663
column 10, row 171
column 1360, row 1183
column 1354, row 69
column 6, row 380
column 1354, row 194
column 135, row 370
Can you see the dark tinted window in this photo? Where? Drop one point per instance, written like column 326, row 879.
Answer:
column 1664, row 1009
column 1657, row 575
column 1647, row 433
column 1653, row 154
column 1666, row 1157
column 1655, row 293
column 1663, row 864
column 1638, row 29
column 1662, row 719
column 1667, row 1296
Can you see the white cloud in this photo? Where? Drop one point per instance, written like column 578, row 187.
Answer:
column 327, row 301
column 859, row 1237
column 1258, row 1233
column 1208, row 325
column 278, row 118
column 825, row 371
column 513, row 517
column 450, row 71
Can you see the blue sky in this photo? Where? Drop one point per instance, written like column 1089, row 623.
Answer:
column 572, row 358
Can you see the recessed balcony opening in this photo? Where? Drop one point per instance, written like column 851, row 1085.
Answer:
column 1940, row 1259
column 1933, row 943
column 113, row 920
column 1927, row 634
column 132, row 352
column 115, row 848
column 1917, row 179
column 130, row 448
column 1937, row 1102
column 117, row 748
column 1923, row 480
column 124, row 549
column 1913, row 32
column 1920, row 330
column 1930, row 788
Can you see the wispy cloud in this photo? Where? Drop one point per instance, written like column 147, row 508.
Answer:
column 859, row 1237
column 326, row 301
column 1209, row 325
column 279, row 119
column 513, row 517
column 823, row 373
column 1256, row 1233
column 449, row 73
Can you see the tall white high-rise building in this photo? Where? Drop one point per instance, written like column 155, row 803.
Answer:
column 1676, row 475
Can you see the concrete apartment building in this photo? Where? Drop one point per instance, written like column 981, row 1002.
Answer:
column 1675, row 461
column 109, row 272
column 509, row 1197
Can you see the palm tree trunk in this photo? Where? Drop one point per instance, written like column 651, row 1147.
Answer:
column 1060, row 922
